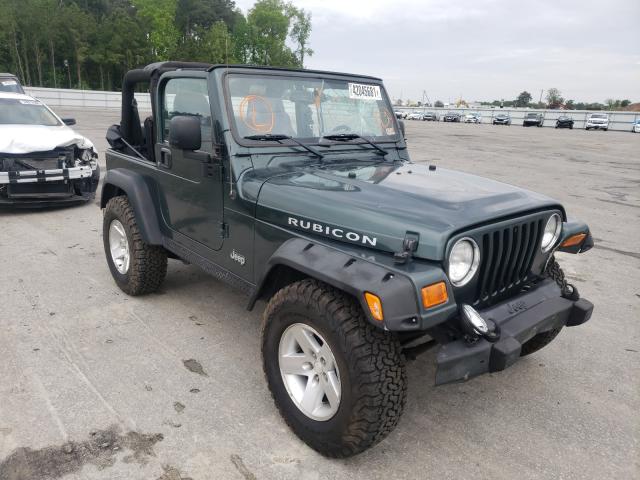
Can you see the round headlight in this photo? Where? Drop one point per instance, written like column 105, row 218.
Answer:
column 551, row 232
column 464, row 260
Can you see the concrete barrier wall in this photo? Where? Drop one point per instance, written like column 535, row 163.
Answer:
column 622, row 121
column 57, row 97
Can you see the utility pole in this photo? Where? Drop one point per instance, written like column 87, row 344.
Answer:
column 541, row 92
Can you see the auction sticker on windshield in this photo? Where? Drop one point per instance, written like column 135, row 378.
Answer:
column 364, row 92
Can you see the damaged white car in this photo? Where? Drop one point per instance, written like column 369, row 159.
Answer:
column 43, row 162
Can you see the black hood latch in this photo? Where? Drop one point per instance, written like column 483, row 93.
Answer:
column 409, row 245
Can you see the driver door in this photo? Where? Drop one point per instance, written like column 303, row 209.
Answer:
column 189, row 182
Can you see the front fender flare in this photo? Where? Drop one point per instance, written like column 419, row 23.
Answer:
column 351, row 274
column 140, row 196
column 572, row 227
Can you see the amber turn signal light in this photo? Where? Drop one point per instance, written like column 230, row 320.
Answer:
column 574, row 240
column 434, row 294
column 375, row 306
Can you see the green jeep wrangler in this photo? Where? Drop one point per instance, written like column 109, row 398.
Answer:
column 296, row 187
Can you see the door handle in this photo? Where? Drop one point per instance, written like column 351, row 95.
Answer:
column 165, row 157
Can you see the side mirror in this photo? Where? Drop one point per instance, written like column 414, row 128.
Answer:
column 69, row 121
column 401, row 125
column 184, row 132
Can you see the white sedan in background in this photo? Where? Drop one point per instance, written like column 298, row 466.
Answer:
column 472, row 117
column 43, row 162
column 414, row 116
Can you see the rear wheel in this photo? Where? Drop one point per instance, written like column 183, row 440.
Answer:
column 136, row 267
column 338, row 381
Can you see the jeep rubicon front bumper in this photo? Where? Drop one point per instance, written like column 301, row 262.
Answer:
column 520, row 318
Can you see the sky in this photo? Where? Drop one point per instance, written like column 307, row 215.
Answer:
column 481, row 50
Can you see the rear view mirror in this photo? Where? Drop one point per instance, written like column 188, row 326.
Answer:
column 184, row 132
column 69, row 121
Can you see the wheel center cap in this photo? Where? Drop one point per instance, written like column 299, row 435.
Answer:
column 317, row 367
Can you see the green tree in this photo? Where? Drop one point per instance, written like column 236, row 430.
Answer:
column 159, row 15
column 92, row 43
column 439, row 104
column 300, row 32
column 268, row 24
column 523, row 99
column 554, row 98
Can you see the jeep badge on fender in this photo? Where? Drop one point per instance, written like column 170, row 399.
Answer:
column 359, row 254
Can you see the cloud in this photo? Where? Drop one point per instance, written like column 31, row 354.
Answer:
column 481, row 49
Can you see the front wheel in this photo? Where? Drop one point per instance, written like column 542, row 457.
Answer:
column 338, row 381
column 543, row 339
column 136, row 266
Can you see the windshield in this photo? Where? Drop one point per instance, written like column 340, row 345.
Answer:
column 309, row 108
column 598, row 115
column 10, row 85
column 532, row 115
column 19, row 111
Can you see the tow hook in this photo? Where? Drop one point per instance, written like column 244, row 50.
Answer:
column 475, row 326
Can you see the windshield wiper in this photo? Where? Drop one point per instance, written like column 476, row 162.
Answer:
column 343, row 137
column 275, row 137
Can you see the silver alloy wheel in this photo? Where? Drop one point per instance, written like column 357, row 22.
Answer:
column 119, row 246
column 309, row 372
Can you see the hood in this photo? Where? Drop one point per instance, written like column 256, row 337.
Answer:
column 18, row 139
column 376, row 205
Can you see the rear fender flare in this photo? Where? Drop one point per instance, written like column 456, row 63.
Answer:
column 121, row 181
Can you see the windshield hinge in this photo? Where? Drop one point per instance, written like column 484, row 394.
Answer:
column 409, row 245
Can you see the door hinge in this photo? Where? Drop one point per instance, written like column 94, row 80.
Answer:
column 212, row 170
column 224, row 230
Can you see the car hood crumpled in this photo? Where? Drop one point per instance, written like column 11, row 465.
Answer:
column 384, row 201
column 20, row 139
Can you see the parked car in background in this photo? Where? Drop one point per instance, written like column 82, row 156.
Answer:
column 43, row 162
column 533, row 119
column 10, row 83
column 564, row 121
column 414, row 116
column 431, row 117
column 636, row 126
column 451, row 117
column 597, row 121
column 502, row 119
column 400, row 114
column 472, row 117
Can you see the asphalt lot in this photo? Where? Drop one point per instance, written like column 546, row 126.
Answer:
column 96, row 385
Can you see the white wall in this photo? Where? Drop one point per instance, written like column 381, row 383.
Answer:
column 58, row 97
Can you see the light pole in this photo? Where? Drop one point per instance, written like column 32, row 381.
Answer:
column 66, row 65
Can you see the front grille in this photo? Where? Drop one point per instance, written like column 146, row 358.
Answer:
column 507, row 255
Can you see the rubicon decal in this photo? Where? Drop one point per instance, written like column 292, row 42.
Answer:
column 334, row 232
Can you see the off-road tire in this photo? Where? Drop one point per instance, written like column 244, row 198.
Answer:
column 543, row 339
column 148, row 263
column 370, row 362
